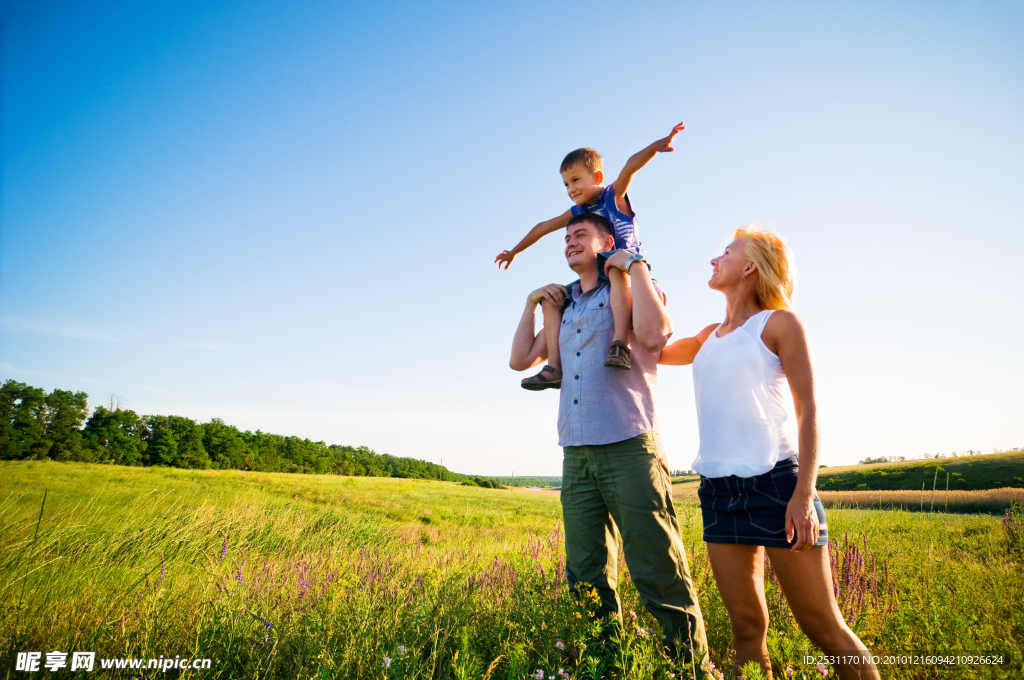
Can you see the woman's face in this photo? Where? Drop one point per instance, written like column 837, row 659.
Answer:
column 727, row 269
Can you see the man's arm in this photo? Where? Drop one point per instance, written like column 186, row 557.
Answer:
column 528, row 349
column 651, row 323
column 637, row 161
column 542, row 229
column 683, row 351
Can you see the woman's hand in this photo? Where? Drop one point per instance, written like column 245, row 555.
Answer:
column 802, row 519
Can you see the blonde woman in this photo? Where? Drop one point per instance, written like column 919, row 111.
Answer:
column 757, row 490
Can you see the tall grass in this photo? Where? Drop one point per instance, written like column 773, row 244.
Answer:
column 285, row 576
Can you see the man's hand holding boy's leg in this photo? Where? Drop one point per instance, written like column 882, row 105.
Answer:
column 550, row 298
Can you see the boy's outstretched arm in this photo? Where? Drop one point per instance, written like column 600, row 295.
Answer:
column 542, row 229
column 639, row 160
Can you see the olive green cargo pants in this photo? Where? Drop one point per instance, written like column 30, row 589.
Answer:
column 627, row 484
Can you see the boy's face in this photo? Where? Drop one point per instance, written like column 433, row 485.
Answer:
column 583, row 185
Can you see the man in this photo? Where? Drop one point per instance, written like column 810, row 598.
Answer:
column 614, row 471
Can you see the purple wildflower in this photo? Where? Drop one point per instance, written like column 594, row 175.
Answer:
column 822, row 668
column 539, row 675
column 387, row 662
column 163, row 573
column 224, row 548
column 790, row 672
column 560, row 645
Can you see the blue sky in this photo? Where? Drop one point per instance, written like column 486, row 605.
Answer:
column 285, row 214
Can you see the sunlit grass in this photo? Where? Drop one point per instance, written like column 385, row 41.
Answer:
column 276, row 575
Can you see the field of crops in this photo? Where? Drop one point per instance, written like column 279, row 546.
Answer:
column 304, row 576
column 957, row 473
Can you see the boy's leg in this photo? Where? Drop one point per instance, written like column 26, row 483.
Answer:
column 622, row 314
column 551, row 374
column 552, row 326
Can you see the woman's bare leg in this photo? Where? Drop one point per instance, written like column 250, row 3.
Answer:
column 806, row 580
column 739, row 573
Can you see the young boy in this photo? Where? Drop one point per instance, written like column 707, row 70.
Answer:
column 583, row 175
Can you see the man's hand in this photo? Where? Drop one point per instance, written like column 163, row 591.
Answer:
column 802, row 519
column 663, row 145
column 505, row 256
column 554, row 293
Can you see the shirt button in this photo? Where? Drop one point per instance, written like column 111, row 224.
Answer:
column 577, row 353
column 577, row 377
column 575, row 401
column 601, row 305
column 578, row 330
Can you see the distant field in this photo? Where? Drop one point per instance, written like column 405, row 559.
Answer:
column 305, row 576
column 966, row 473
column 992, row 501
column 540, row 482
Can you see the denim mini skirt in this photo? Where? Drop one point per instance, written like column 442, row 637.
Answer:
column 752, row 510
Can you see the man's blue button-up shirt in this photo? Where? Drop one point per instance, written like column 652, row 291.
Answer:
column 601, row 405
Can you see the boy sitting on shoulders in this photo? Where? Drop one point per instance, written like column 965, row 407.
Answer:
column 583, row 175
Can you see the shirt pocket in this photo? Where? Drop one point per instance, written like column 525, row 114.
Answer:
column 600, row 318
column 566, row 331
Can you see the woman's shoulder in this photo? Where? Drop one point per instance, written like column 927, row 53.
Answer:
column 706, row 333
column 783, row 326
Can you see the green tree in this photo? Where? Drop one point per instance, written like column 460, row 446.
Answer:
column 162, row 442
column 117, row 437
column 24, row 421
column 224, row 445
column 65, row 413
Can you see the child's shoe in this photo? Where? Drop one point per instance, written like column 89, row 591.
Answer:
column 618, row 356
column 539, row 382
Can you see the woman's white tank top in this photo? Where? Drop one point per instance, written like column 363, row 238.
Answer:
column 742, row 393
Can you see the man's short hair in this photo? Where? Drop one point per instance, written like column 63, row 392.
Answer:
column 587, row 157
column 601, row 223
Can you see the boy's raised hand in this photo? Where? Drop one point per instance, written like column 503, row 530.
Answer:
column 665, row 144
column 505, row 256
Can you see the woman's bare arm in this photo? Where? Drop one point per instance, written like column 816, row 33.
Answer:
column 784, row 334
column 682, row 351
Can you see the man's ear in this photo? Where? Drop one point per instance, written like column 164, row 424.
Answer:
column 599, row 175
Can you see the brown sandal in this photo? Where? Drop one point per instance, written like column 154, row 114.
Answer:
column 619, row 356
column 538, row 382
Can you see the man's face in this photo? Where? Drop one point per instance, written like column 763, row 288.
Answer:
column 582, row 185
column 582, row 244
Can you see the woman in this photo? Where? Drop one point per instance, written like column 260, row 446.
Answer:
column 754, row 496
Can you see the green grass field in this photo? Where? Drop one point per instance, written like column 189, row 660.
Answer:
column 966, row 473
column 303, row 576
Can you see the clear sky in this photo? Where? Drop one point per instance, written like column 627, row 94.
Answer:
column 286, row 214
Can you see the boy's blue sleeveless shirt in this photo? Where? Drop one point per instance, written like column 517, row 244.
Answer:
column 627, row 235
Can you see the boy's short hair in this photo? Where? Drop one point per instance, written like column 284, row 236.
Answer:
column 600, row 223
column 587, row 157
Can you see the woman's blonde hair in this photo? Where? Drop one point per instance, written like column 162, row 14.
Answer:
column 776, row 270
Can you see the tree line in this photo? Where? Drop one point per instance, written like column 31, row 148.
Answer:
column 59, row 426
